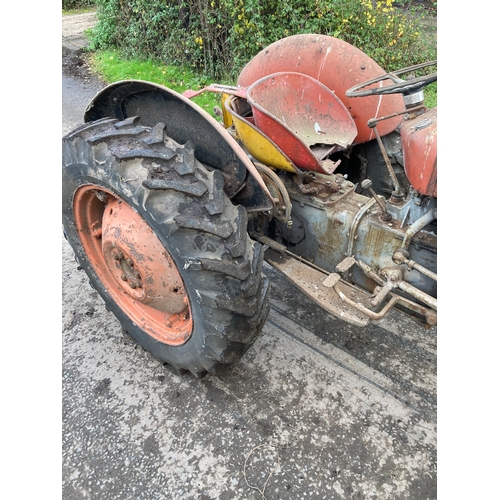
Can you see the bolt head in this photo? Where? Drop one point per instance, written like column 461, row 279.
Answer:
column 117, row 254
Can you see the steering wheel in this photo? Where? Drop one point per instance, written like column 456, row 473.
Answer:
column 400, row 86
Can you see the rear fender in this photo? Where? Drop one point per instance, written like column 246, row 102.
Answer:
column 185, row 121
column 337, row 65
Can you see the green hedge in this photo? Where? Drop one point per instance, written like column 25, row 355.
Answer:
column 218, row 37
column 78, row 4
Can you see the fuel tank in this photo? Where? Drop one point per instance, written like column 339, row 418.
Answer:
column 419, row 143
column 336, row 64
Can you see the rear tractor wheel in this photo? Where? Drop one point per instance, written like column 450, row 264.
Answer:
column 163, row 244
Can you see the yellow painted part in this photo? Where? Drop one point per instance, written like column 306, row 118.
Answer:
column 257, row 143
column 226, row 115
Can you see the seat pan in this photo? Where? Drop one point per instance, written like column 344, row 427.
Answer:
column 298, row 112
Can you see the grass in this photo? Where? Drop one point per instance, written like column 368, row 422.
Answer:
column 112, row 67
column 76, row 11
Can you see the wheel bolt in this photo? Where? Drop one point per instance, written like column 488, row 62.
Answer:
column 117, row 254
column 135, row 284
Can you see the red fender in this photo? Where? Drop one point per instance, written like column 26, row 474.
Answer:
column 336, row 64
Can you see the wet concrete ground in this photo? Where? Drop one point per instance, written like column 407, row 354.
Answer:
column 316, row 409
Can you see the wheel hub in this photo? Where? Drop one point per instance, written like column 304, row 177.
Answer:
column 129, row 273
column 134, row 266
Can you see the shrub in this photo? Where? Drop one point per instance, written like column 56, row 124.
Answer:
column 78, row 4
column 106, row 32
column 218, row 37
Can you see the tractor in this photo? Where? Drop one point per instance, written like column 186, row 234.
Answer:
column 318, row 162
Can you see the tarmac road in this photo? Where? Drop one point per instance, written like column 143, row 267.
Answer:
column 317, row 409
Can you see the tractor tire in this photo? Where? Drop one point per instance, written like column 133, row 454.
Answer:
column 162, row 244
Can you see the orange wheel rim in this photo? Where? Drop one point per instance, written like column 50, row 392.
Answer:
column 135, row 268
